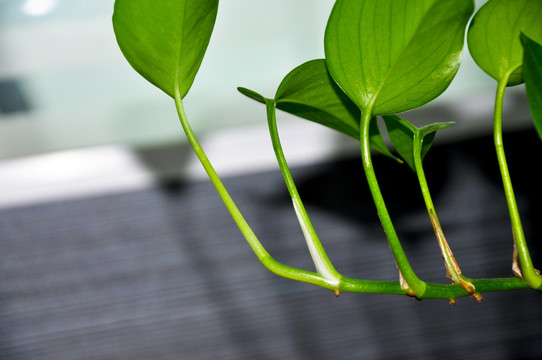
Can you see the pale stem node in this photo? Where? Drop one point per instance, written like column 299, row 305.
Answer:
column 404, row 284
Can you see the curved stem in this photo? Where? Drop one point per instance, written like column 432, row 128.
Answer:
column 222, row 192
column 450, row 262
column 321, row 261
column 264, row 257
column 529, row 273
column 417, row 286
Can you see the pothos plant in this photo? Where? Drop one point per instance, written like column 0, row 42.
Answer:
column 382, row 58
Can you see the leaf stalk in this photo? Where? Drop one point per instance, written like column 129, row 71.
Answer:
column 417, row 286
column 452, row 267
column 319, row 256
column 528, row 271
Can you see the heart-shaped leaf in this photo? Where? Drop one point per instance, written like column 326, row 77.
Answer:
column 494, row 36
column 532, row 71
column 409, row 141
column 165, row 40
column 390, row 56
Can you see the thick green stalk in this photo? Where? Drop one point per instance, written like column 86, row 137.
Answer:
column 433, row 290
column 321, row 261
column 417, row 286
column 528, row 271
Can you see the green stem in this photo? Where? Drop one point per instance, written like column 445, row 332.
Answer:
column 264, row 257
column 417, row 150
column 321, row 261
column 449, row 260
column 529, row 273
column 433, row 290
column 422, row 290
column 415, row 284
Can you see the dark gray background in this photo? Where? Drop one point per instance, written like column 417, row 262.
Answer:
column 165, row 274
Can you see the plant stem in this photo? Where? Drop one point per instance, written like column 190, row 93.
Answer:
column 417, row 286
column 450, row 262
column 321, row 261
column 529, row 273
column 433, row 290
column 264, row 257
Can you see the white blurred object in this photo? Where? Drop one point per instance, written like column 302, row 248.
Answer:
column 38, row 7
column 71, row 174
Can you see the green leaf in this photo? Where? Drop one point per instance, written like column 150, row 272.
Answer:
column 494, row 36
column 377, row 143
column 308, row 91
column 402, row 134
column 428, row 133
column 252, row 94
column 165, row 40
column 390, row 56
column 406, row 137
column 532, row 71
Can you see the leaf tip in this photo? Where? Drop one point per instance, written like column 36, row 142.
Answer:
column 251, row 94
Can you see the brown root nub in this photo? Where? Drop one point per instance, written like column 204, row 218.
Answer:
column 337, row 293
column 477, row 297
column 467, row 285
column 411, row 294
column 452, row 301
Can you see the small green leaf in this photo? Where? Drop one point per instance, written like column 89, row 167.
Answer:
column 165, row 40
column 402, row 134
column 377, row 143
column 494, row 36
column 406, row 137
column 428, row 133
column 532, row 71
column 390, row 56
column 308, row 91
column 252, row 94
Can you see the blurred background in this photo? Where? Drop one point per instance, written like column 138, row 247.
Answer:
column 113, row 245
